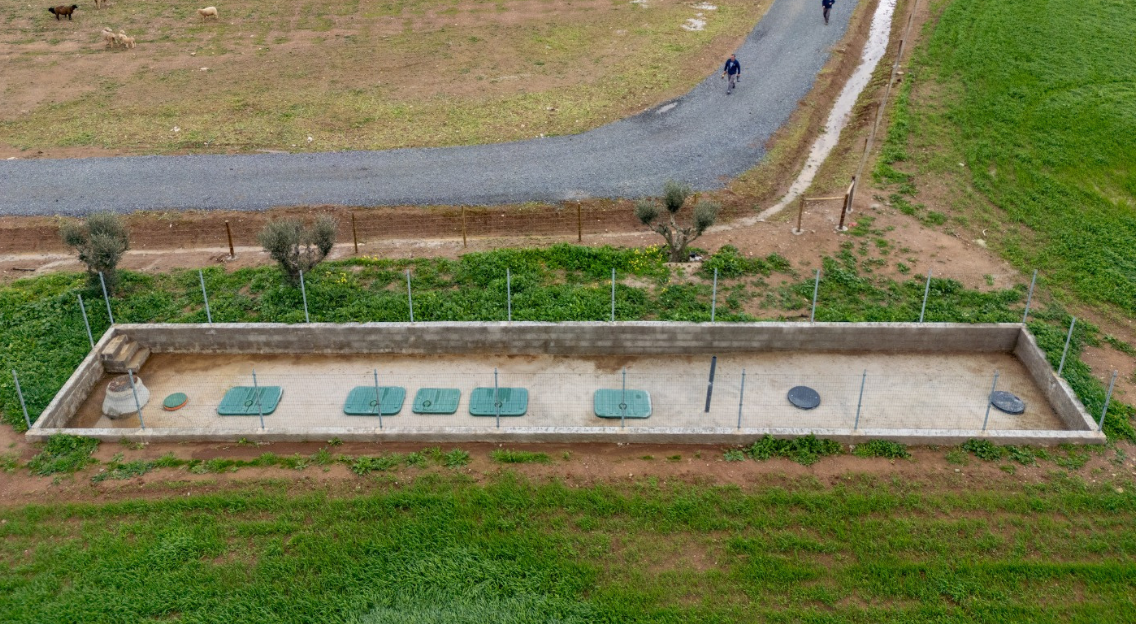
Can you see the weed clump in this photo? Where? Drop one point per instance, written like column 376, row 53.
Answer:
column 508, row 456
column 731, row 263
column 805, row 451
column 882, row 448
column 64, row 453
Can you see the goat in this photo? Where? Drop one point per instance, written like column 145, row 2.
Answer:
column 109, row 37
column 63, row 10
column 123, row 40
column 208, row 12
column 99, row 4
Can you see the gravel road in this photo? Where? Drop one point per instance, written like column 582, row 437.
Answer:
column 703, row 138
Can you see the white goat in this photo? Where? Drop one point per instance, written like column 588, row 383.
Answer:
column 208, row 12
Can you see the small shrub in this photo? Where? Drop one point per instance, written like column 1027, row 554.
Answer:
column 64, row 453
column 677, row 237
column 297, row 247
column 805, row 451
column 100, row 241
column 417, row 459
column 322, row 457
column 882, row 448
column 984, row 450
column 507, row 456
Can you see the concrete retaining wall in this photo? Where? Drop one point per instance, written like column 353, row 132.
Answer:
column 581, row 339
column 631, row 338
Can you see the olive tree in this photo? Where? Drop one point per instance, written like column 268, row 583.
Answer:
column 100, row 240
column 297, row 246
column 678, row 237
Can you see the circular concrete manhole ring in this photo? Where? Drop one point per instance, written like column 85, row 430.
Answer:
column 119, row 399
column 1007, row 402
column 804, row 397
column 175, row 401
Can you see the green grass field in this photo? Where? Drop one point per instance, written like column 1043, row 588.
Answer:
column 443, row 550
column 1037, row 101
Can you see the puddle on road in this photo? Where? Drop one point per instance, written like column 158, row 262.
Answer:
column 873, row 51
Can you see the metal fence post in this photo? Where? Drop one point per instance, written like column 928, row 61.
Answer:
column 710, row 384
column 816, row 289
column 378, row 398
column 741, row 398
column 256, row 394
column 137, row 404
column 993, row 386
column 86, row 323
column 613, row 295
column 1100, row 426
column 860, row 401
column 714, row 296
column 1029, row 297
column 496, row 397
column 1061, row 366
column 106, row 297
column 926, row 292
column 20, row 393
column 205, row 296
column 409, row 296
column 509, row 291
column 304, row 294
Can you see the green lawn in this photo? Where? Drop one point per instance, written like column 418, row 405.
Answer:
column 1038, row 101
column 444, row 550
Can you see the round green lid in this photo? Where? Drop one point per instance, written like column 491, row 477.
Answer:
column 175, row 400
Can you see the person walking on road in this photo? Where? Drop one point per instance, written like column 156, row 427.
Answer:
column 827, row 4
column 733, row 70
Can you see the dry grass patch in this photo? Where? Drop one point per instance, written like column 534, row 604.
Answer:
column 269, row 75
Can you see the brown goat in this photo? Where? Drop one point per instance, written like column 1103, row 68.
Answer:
column 62, row 10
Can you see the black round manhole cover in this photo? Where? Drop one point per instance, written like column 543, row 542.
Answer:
column 804, row 397
column 1007, row 402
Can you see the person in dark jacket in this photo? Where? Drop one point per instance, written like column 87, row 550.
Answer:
column 827, row 6
column 733, row 70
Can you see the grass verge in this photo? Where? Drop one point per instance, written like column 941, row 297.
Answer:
column 444, row 550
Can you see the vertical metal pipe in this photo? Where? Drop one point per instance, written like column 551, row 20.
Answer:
column 256, row 395
column 496, row 397
column 86, row 322
column 137, row 404
column 714, row 296
column 1100, row 426
column 816, row 289
column 354, row 234
column 989, row 398
column 613, row 295
column 860, row 401
column 378, row 398
column 24, row 406
column 710, row 385
column 409, row 296
column 623, row 401
column 741, row 398
column 1065, row 352
column 106, row 297
column 509, row 291
column 205, row 296
column 304, row 294
column 926, row 293
column 1029, row 297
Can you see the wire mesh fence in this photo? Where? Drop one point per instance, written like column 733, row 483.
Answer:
column 568, row 221
column 392, row 400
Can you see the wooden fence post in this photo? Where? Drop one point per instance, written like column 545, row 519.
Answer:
column 354, row 234
column 229, row 233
